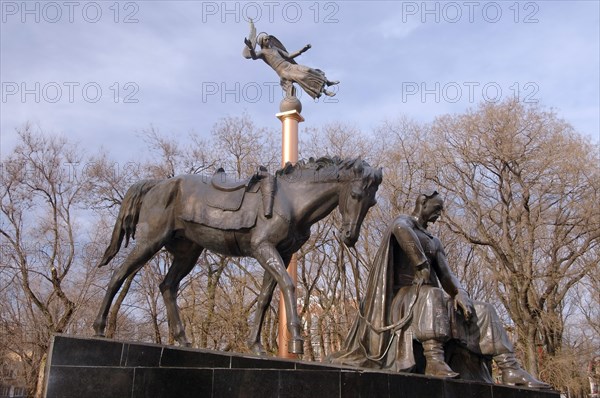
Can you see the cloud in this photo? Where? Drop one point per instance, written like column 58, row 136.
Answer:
column 177, row 51
column 393, row 28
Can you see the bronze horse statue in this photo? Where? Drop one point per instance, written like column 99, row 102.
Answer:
column 189, row 213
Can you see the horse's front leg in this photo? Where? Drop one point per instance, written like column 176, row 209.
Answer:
column 262, row 303
column 271, row 261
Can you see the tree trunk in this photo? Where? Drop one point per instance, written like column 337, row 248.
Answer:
column 40, row 385
column 530, row 351
column 310, row 352
column 213, row 281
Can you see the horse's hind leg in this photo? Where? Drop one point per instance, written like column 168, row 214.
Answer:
column 262, row 303
column 185, row 254
column 132, row 264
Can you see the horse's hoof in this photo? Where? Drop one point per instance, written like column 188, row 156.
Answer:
column 99, row 332
column 181, row 339
column 257, row 349
column 296, row 346
column 98, row 329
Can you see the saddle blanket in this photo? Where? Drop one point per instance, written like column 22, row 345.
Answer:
column 203, row 204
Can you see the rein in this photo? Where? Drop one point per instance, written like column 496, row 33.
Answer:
column 396, row 327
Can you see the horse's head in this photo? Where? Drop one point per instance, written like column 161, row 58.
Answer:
column 357, row 197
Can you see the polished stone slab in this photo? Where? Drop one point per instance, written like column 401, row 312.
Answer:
column 84, row 367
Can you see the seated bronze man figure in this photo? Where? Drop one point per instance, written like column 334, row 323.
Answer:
column 405, row 308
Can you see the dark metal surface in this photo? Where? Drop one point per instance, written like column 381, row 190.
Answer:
column 407, row 301
column 274, row 54
column 175, row 214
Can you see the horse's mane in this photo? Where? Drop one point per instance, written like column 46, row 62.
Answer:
column 338, row 165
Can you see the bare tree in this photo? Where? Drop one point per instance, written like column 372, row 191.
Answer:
column 241, row 147
column 110, row 181
column 523, row 188
column 408, row 173
column 330, row 275
column 42, row 260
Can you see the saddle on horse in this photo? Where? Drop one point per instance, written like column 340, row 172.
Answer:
column 261, row 179
column 224, row 194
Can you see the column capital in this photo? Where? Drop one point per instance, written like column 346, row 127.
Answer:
column 293, row 114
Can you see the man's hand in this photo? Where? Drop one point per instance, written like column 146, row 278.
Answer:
column 248, row 42
column 463, row 302
column 422, row 274
column 306, row 47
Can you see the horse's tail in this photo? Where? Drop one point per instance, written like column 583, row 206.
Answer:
column 127, row 219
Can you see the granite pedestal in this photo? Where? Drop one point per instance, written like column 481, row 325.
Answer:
column 84, row 367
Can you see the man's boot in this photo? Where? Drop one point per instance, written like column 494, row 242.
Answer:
column 513, row 374
column 434, row 356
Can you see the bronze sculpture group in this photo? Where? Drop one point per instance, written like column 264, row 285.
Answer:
column 414, row 297
column 415, row 317
column 190, row 213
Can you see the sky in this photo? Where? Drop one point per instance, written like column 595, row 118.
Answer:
column 100, row 72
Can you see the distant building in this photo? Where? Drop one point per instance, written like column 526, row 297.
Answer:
column 325, row 325
column 11, row 385
column 594, row 377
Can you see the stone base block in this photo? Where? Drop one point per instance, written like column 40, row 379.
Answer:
column 84, row 367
